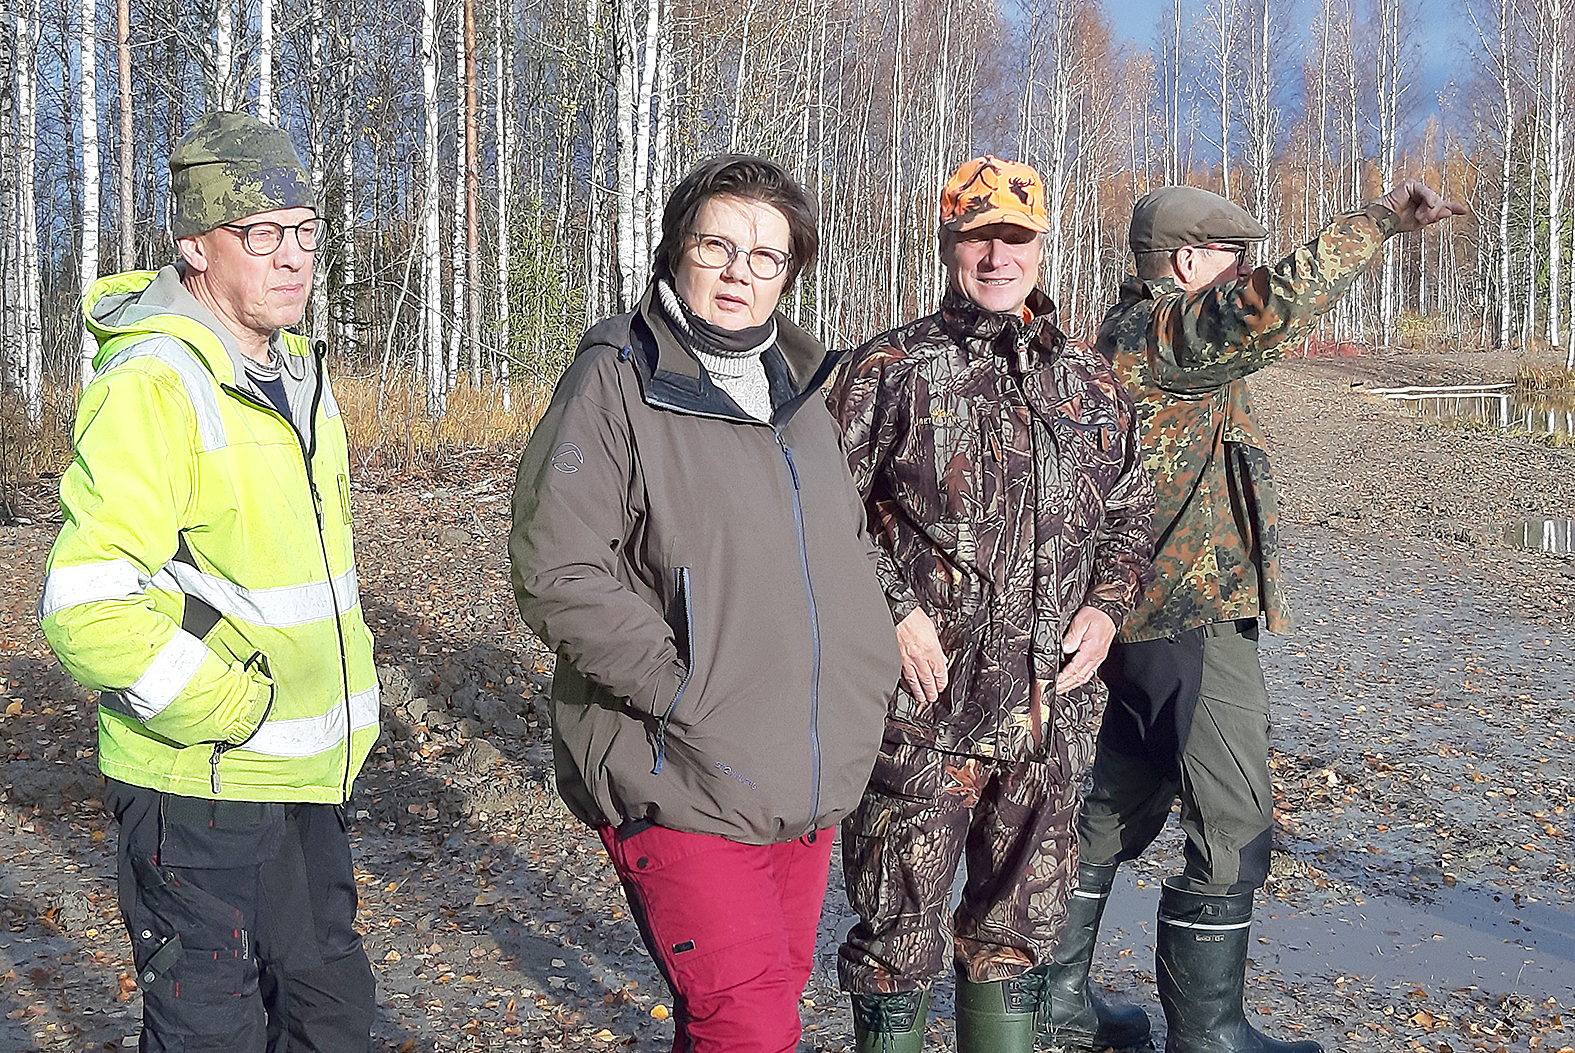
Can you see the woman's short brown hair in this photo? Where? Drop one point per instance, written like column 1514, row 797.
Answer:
column 753, row 179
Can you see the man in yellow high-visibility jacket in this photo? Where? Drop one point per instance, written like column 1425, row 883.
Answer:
column 205, row 583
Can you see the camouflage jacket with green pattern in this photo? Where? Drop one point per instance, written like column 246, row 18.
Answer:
column 1183, row 359
column 999, row 467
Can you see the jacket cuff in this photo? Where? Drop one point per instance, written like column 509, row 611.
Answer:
column 259, row 700
column 1384, row 219
column 1117, row 612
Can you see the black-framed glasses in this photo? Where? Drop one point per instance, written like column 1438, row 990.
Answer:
column 1235, row 249
column 264, row 239
column 717, row 252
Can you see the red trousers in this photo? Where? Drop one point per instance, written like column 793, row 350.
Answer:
column 731, row 926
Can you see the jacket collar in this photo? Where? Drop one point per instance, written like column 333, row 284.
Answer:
column 982, row 332
column 673, row 379
column 1134, row 288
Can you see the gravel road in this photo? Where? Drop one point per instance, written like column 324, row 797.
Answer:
column 1424, row 750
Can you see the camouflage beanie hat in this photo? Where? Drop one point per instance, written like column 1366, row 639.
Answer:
column 229, row 166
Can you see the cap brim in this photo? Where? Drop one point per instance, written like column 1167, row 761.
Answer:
column 997, row 215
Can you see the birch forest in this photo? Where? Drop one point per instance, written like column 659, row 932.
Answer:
column 493, row 171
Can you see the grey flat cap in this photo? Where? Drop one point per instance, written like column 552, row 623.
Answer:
column 1174, row 217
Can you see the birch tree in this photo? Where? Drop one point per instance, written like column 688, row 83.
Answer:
column 503, row 59
column 265, row 58
column 88, row 101
column 472, row 192
column 432, row 301
column 126, row 174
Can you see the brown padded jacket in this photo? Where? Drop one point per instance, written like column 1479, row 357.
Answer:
column 725, row 656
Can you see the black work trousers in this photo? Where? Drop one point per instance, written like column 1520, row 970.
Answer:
column 242, row 923
column 1187, row 718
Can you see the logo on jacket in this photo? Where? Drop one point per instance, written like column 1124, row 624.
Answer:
column 726, row 770
column 568, row 458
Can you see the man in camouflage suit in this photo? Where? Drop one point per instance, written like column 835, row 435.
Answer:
column 1189, row 713
column 999, row 466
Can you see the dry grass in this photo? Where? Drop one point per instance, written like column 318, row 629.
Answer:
column 401, row 437
column 398, row 439
column 1550, row 376
column 28, row 449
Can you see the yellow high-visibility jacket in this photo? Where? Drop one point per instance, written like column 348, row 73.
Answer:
column 204, row 579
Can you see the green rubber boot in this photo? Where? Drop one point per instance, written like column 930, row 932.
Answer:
column 890, row 1023
column 996, row 1017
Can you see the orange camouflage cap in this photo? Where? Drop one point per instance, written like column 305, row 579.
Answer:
column 989, row 190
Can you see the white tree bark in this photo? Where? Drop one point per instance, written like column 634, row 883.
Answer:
column 1555, row 16
column 431, row 251
column 457, row 262
column 636, row 58
column 265, row 56
column 503, row 114
column 126, row 173
column 11, row 360
column 316, row 77
column 1261, row 116
column 88, row 102
column 223, row 97
column 27, row 37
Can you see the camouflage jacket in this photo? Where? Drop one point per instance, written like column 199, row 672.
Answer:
column 999, row 468
column 1183, row 358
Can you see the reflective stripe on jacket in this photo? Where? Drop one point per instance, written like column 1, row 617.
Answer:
column 204, row 580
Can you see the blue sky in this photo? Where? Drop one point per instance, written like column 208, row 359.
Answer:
column 1440, row 24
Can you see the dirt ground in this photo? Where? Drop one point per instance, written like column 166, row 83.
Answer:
column 1421, row 897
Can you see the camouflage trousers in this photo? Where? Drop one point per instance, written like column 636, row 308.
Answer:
column 923, row 812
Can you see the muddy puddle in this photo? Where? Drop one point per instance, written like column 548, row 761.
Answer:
column 1499, row 405
column 1554, row 536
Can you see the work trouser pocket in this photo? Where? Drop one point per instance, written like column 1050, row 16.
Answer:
column 195, row 965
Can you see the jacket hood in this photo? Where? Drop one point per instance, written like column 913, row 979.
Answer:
column 136, row 303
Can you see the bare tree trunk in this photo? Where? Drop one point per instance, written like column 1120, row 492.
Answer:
column 1505, row 75
column 88, row 100
column 349, row 314
column 316, row 115
column 27, row 36
column 127, row 173
column 735, row 133
column 1555, row 109
column 265, row 58
column 472, row 192
column 596, row 296
column 636, row 74
column 503, row 58
column 431, row 251
column 459, row 268
column 11, row 361
column 223, row 97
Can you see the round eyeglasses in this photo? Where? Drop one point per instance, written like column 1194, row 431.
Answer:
column 264, row 239
column 717, row 252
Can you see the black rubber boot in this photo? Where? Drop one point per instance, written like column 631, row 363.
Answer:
column 998, row 1016
column 1072, row 1016
column 890, row 1023
column 1200, row 967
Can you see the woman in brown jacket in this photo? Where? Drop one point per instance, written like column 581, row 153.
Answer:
column 688, row 540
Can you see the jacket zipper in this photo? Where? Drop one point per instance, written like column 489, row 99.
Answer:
column 681, row 582
column 814, row 638
column 307, row 452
